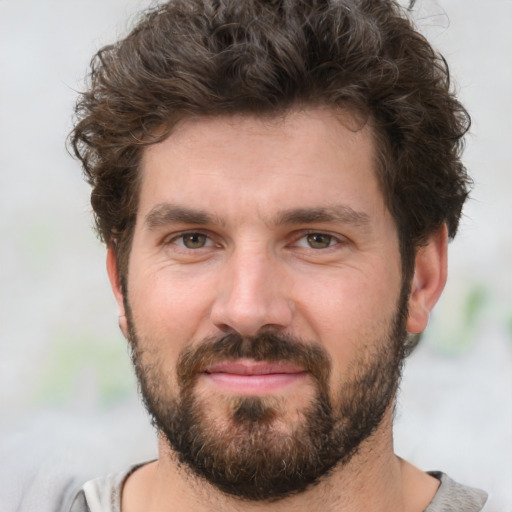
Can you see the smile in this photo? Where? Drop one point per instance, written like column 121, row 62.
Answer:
column 249, row 377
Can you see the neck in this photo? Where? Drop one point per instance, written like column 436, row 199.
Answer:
column 375, row 479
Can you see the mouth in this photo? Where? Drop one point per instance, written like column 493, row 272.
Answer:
column 250, row 377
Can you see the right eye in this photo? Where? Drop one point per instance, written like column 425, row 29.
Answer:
column 192, row 240
column 319, row 240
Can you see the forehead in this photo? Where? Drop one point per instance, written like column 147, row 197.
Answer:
column 258, row 165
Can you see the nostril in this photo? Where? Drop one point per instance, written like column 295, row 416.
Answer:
column 250, row 297
column 226, row 329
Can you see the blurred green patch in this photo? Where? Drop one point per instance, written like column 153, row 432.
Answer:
column 38, row 241
column 472, row 308
column 87, row 369
column 455, row 323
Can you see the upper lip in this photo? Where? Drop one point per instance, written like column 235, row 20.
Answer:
column 251, row 367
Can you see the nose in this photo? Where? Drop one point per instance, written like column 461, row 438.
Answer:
column 252, row 294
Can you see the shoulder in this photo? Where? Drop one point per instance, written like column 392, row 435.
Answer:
column 102, row 494
column 454, row 497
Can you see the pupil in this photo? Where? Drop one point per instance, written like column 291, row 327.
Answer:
column 319, row 241
column 194, row 241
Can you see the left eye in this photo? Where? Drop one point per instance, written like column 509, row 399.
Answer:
column 193, row 240
column 317, row 241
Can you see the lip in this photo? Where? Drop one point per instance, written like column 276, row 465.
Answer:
column 252, row 367
column 249, row 377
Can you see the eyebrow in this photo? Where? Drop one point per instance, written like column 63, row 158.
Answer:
column 166, row 213
column 341, row 214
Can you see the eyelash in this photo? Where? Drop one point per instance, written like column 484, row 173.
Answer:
column 181, row 236
column 209, row 242
column 333, row 240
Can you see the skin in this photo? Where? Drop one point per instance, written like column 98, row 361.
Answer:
column 258, row 269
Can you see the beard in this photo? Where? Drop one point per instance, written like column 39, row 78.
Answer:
column 248, row 450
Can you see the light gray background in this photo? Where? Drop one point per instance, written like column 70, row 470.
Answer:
column 68, row 405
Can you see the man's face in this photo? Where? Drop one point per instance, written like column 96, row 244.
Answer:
column 264, row 297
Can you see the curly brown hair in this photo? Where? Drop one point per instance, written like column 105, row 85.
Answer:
column 264, row 57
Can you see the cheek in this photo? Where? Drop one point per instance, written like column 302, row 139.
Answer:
column 349, row 312
column 169, row 312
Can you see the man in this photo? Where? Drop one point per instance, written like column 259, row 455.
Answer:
column 276, row 183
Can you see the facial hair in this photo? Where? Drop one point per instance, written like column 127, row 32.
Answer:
column 246, row 455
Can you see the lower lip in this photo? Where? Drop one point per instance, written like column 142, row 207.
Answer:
column 254, row 384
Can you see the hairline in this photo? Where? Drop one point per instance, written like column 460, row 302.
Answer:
column 365, row 120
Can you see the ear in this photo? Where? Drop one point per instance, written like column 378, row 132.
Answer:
column 429, row 278
column 115, row 283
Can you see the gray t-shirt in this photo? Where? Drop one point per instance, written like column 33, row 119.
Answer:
column 104, row 495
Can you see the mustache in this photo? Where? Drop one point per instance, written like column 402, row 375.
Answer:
column 265, row 346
